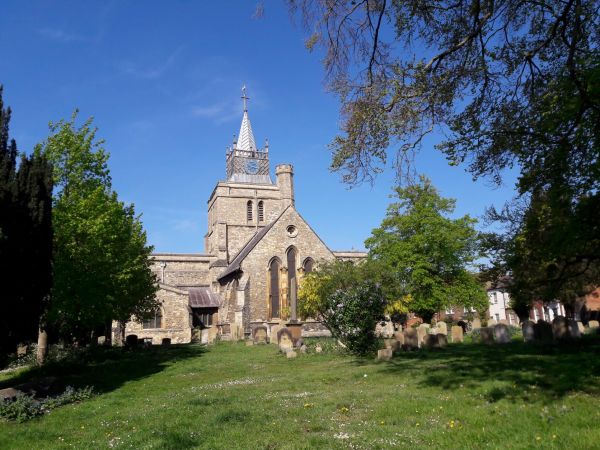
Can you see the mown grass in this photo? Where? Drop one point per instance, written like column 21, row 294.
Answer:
column 233, row 396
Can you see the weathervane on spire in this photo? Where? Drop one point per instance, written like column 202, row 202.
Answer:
column 245, row 98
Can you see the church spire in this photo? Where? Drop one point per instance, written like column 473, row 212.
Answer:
column 246, row 137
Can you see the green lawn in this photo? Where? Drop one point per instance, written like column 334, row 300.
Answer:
column 233, row 396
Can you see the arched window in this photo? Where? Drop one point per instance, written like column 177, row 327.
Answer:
column 154, row 322
column 249, row 211
column 309, row 265
column 261, row 212
column 274, row 287
column 292, row 286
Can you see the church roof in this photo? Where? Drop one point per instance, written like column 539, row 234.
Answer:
column 246, row 137
column 234, row 266
column 203, row 298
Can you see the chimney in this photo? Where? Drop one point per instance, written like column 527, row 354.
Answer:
column 285, row 183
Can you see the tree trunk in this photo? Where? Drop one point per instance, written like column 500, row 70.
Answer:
column 42, row 346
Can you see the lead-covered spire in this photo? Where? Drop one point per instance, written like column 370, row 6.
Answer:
column 246, row 137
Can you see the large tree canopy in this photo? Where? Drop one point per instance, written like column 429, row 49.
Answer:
column 509, row 82
column 428, row 253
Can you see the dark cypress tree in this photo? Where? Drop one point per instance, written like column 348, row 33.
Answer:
column 25, row 240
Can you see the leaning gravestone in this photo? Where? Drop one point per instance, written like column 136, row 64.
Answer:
column 593, row 324
column 501, row 333
column 384, row 354
column 476, row 324
column 486, row 335
column 543, row 331
column 284, row 337
column 442, row 328
column 574, row 331
column 528, row 328
column 411, row 339
column 260, row 335
column 560, row 328
column 399, row 335
column 457, row 334
column 422, row 332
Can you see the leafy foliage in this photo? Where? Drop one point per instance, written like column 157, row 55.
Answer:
column 102, row 268
column 427, row 253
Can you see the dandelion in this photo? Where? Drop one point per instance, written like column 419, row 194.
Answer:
column 309, row 405
column 553, row 436
column 538, row 438
column 418, row 424
column 382, row 423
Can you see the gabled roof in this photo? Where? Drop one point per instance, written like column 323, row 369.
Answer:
column 234, row 266
column 203, row 297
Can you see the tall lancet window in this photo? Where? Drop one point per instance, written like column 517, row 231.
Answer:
column 274, row 287
column 292, row 286
column 249, row 211
column 261, row 211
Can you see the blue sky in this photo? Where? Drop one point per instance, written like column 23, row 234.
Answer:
column 162, row 81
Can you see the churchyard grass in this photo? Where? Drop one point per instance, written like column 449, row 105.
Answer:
column 233, row 396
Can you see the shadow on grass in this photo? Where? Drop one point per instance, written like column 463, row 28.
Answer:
column 106, row 368
column 526, row 371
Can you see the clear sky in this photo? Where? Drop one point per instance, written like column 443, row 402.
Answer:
column 162, row 81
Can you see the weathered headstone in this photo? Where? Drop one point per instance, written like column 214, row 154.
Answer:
column 528, row 328
column 441, row 327
column 543, row 331
column 430, row 341
column 166, row 341
column 442, row 340
column 486, row 335
column 457, row 334
column 291, row 354
column 274, row 332
column 284, row 337
column 476, row 323
column 411, row 339
column 260, row 334
column 385, row 354
column 204, row 336
column 491, row 322
column 501, row 333
column 574, row 331
column 593, row 324
column 303, row 348
column 101, row 340
column 318, row 348
column 249, row 343
column 384, row 330
column 399, row 335
column 560, row 328
column 580, row 326
column 422, row 332
column 21, row 350
column 391, row 343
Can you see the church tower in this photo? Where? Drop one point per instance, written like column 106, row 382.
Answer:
column 247, row 200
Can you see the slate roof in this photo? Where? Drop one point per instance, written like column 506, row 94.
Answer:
column 204, row 298
column 234, row 266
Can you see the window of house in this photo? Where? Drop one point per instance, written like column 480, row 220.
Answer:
column 154, row 322
column 261, row 211
column 249, row 211
column 274, row 287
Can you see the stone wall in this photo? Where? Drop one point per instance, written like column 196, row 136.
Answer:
column 182, row 270
column 176, row 323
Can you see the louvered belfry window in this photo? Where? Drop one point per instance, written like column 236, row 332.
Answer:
column 261, row 211
column 249, row 211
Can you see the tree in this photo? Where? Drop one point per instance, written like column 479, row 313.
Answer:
column 101, row 259
column 348, row 304
column 25, row 239
column 484, row 72
column 427, row 253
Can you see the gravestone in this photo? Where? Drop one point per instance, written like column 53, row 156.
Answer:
column 303, row 348
column 560, row 328
column 463, row 325
column 290, row 354
column 274, row 332
column 411, row 339
column 21, row 350
column 131, row 340
column 574, row 331
column 476, row 323
column 318, row 348
column 528, row 328
column 422, row 332
column 10, row 394
column 284, row 337
column 391, row 343
column 457, row 334
column 204, row 336
column 491, row 322
column 166, row 341
column 430, row 341
column 486, row 335
column 441, row 327
column 260, row 335
column 593, row 324
column 101, row 340
column 249, row 343
column 580, row 326
column 442, row 340
column 501, row 333
column 543, row 331
column 384, row 330
column 399, row 335
column 385, row 354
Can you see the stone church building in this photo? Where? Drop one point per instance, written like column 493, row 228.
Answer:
column 257, row 249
